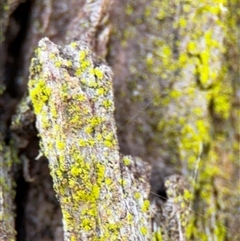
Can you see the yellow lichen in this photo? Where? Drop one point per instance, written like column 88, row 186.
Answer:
column 98, row 73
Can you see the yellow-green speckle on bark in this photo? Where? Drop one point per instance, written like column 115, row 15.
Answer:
column 8, row 156
column 177, row 66
column 76, row 124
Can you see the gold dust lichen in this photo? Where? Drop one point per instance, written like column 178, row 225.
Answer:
column 100, row 91
column 74, row 44
column 39, row 94
column 58, row 63
column 197, row 67
column 98, row 72
column 137, row 195
column 82, row 55
column 107, row 103
column 86, row 141
column 145, row 206
column 143, row 230
column 127, row 161
column 78, row 72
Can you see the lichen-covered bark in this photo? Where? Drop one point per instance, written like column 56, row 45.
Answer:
column 171, row 214
column 167, row 57
column 170, row 77
column 73, row 102
column 8, row 152
column 7, row 194
column 229, row 183
column 23, row 23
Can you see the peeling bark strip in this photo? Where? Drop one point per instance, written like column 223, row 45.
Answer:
column 100, row 197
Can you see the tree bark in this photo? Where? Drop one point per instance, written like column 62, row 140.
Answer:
column 73, row 102
column 176, row 93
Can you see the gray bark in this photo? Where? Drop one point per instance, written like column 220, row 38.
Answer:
column 176, row 93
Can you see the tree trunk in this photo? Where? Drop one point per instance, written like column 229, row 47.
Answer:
column 176, row 98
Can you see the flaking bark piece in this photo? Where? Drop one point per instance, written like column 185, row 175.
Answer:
column 72, row 98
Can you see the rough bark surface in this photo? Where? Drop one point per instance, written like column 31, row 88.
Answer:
column 176, row 93
column 7, row 230
column 73, row 102
column 173, row 87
